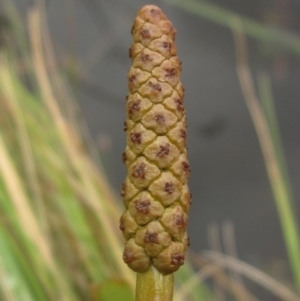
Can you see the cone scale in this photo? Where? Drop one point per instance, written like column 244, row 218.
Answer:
column 155, row 192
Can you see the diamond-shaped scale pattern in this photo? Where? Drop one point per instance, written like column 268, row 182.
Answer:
column 137, row 106
column 159, row 119
column 167, row 189
column 155, row 192
column 162, row 152
column 139, row 137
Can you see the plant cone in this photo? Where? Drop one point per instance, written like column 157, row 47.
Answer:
column 155, row 191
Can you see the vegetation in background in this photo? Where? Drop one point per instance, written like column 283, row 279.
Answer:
column 58, row 217
column 59, row 236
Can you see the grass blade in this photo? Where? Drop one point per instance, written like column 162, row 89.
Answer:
column 262, row 32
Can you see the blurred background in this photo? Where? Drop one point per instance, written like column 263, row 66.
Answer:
column 235, row 207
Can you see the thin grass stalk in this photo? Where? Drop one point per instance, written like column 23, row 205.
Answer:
column 10, row 89
column 77, row 161
column 29, row 224
column 45, row 142
column 7, row 282
column 63, row 201
column 214, row 243
column 26, row 284
column 246, row 270
column 218, row 260
column 234, row 281
column 262, row 32
column 20, row 43
column 268, row 106
column 230, row 249
column 280, row 190
column 31, row 129
column 198, row 292
column 219, row 276
column 18, row 197
column 69, row 207
column 197, row 278
column 69, row 106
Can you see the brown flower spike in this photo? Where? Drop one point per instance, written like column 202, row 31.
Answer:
column 155, row 192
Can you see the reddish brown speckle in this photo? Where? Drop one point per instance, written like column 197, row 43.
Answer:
column 180, row 221
column 128, row 257
column 146, row 57
column 121, row 226
column 132, row 78
column 183, row 134
column 170, row 72
column 123, row 187
column 156, row 134
column 142, row 206
column 124, row 157
column 177, row 259
column 186, row 167
column 179, row 102
column 134, row 106
column 169, row 188
column 166, row 45
column 164, row 150
column 145, row 34
column 160, row 118
column 155, row 12
column 151, row 237
column 136, row 138
column 139, row 171
column 156, row 87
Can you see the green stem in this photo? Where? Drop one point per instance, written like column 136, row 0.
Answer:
column 254, row 29
column 281, row 185
column 266, row 137
column 154, row 286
